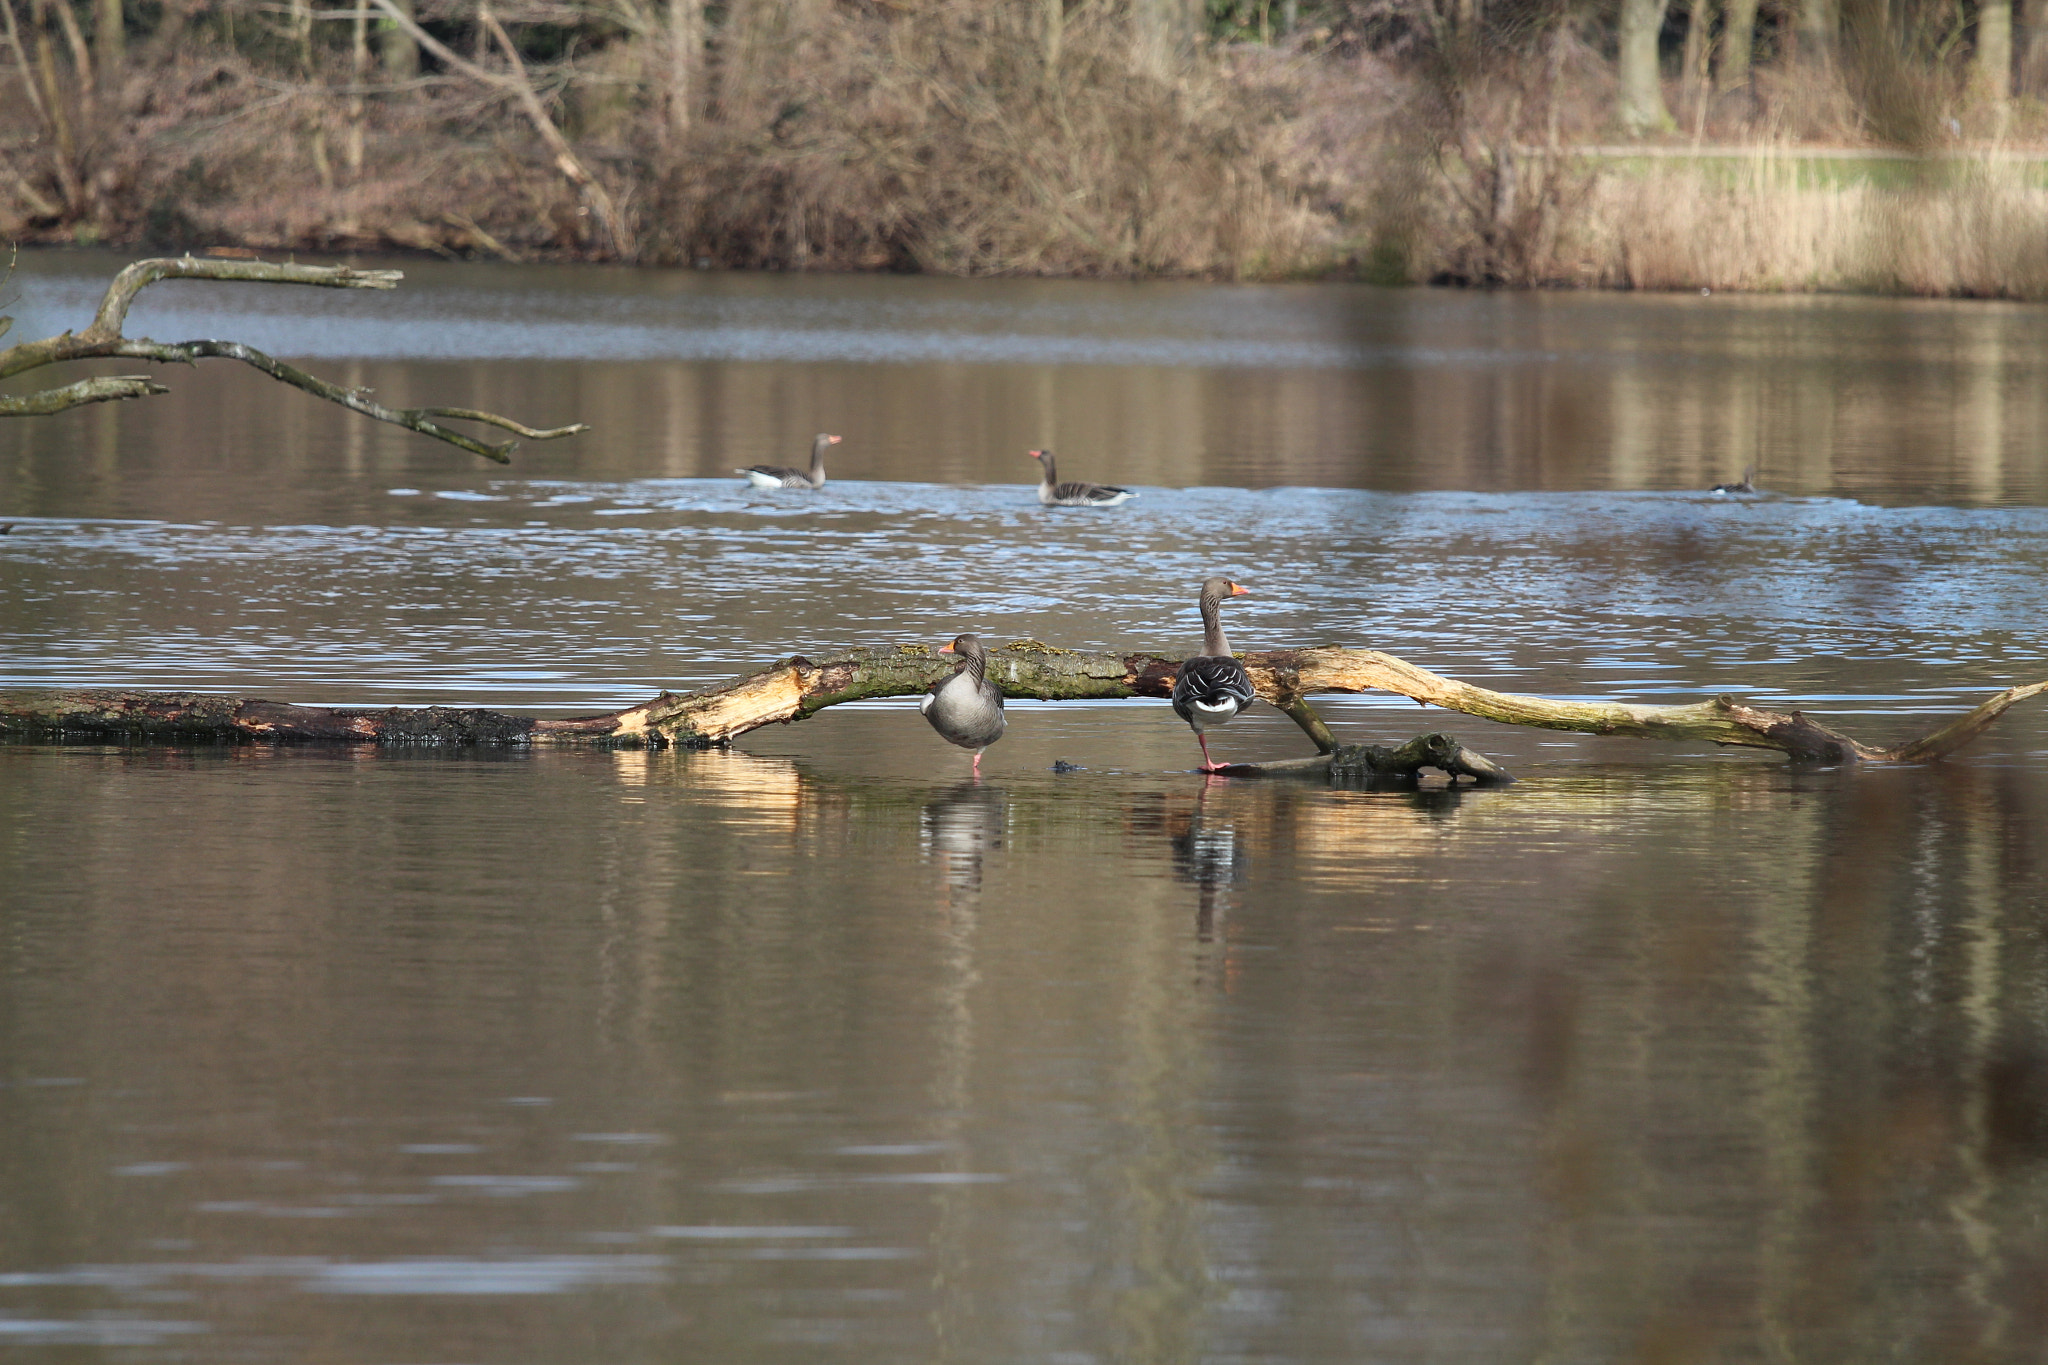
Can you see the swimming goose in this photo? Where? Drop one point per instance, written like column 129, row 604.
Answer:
column 1212, row 687
column 1055, row 494
column 1746, row 486
column 782, row 476
column 965, row 707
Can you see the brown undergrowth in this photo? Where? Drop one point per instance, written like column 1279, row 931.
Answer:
column 970, row 137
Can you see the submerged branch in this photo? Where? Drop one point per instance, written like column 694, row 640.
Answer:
column 103, row 340
column 799, row 687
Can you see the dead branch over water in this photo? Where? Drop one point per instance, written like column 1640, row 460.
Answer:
column 104, row 340
column 800, row 686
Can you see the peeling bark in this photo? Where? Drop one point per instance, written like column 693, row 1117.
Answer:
column 798, row 687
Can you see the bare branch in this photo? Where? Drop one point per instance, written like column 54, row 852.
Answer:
column 104, row 389
column 530, row 433
column 113, row 314
column 103, row 341
column 1963, row 729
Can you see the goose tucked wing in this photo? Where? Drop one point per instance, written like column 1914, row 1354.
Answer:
column 1088, row 492
column 1213, row 684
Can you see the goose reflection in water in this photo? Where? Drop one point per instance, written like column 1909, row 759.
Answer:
column 1208, row 852
column 959, row 827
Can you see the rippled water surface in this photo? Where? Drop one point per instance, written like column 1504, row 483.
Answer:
column 817, row 1050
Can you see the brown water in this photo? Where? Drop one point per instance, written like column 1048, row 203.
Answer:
column 817, row 1051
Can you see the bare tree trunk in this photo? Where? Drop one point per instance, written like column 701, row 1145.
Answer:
column 1053, row 25
column 685, row 45
column 1692, row 76
column 2033, row 63
column 396, row 51
column 352, row 149
column 1819, row 31
column 1991, row 66
column 109, row 40
column 1738, row 40
column 1642, row 91
column 1162, row 34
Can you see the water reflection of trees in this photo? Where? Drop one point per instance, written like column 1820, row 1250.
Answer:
column 1715, row 1053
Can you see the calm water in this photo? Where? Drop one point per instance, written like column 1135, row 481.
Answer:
column 817, row 1051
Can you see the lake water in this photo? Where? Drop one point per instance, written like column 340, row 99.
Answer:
column 817, row 1050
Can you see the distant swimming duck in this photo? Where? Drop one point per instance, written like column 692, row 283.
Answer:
column 965, row 707
column 782, row 476
column 1746, row 486
column 1212, row 687
column 1052, row 493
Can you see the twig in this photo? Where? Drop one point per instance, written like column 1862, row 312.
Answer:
column 103, row 389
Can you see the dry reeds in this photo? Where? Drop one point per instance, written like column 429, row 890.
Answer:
column 1778, row 222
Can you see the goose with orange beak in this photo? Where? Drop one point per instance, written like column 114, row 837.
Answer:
column 1212, row 687
column 782, row 476
column 965, row 707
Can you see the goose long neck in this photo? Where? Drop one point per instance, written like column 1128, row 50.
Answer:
column 1214, row 644
column 818, row 459
column 1045, row 460
column 973, row 658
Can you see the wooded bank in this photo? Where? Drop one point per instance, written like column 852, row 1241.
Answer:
column 1390, row 139
column 798, row 687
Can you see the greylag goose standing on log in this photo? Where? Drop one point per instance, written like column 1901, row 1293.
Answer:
column 1747, row 485
column 782, row 476
column 1212, row 687
column 966, row 708
column 1052, row 493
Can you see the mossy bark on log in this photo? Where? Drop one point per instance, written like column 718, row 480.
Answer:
column 800, row 686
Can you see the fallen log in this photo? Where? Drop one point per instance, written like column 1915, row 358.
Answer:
column 800, row 686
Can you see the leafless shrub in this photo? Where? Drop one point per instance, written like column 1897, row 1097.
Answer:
column 957, row 138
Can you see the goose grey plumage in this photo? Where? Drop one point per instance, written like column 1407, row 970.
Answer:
column 1748, row 484
column 1212, row 687
column 965, row 707
column 1052, row 493
column 782, row 476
